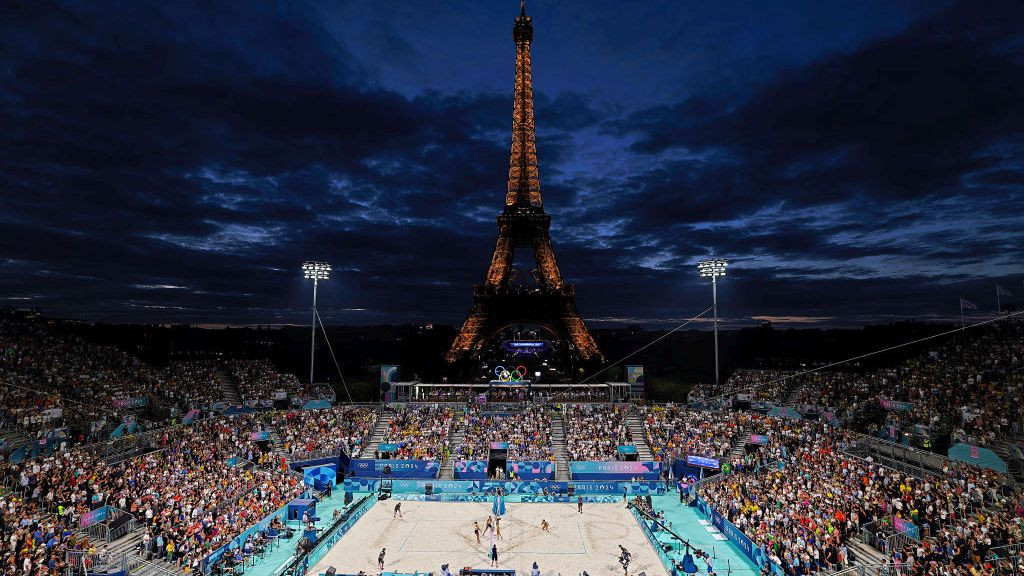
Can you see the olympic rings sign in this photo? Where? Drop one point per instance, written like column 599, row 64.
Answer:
column 504, row 375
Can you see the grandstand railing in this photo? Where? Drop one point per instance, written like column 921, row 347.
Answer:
column 868, row 570
column 901, row 458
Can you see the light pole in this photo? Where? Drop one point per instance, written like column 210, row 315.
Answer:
column 315, row 271
column 713, row 269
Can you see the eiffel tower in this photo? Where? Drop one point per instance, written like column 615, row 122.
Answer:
column 497, row 303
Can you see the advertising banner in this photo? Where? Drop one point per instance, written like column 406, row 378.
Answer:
column 635, row 375
column 906, row 527
column 129, row 402
column 894, row 405
column 614, row 470
column 522, row 488
column 758, row 439
column 524, row 470
column 399, row 468
column 260, row 436
column 702, row 462
column 190, row 416
column 93, row 517
column 388, row 376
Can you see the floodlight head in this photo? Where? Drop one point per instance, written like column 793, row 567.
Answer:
column 712, row 268
column 316, row 270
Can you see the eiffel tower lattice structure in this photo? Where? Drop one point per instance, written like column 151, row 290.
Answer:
column 497, row 303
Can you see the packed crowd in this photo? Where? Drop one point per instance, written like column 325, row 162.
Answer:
column 258, row 379
column 49, row 376
column 763, row 385
column 528, row 433
column 594, row 432
column 193, row 494
column 674, row 432
column 316, row 431
column 804, row 498
column 421, row 432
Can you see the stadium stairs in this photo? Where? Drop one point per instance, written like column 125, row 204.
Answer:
column 1002, row 448
column 864, row 554
column 378, row 435
column 448, row 467
column 229, row 387
column 13, row 438
column 792, row 395
column 739, row 447
column 275, row 439
column 558, row 448
column 636, row 429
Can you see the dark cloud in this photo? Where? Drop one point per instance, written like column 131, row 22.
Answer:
column 177, row 162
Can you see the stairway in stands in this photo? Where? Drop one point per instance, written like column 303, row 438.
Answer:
column 793, row 394
column 636, row 429
column 864, row 554
column 278, row 443
column 558, row 448
column 229, row 387
column 455, row 440
column 739, row 447
column 1002, row 448
column 378, row 435
column 13, row 438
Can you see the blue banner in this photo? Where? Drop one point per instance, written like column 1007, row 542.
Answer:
column 320, row 477
column 702, row 462
column 522, row 488
column 399, row 468
column 317, row 405
column 93, row 517
column 471, row 470
column 387, row 447
column 190, row 416
column 906, row 527
column 627, row 449
column 613, row 470
column 756, row 554
column 532, row 470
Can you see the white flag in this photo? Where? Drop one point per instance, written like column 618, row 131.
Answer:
column 967, row 305
column 1003, row 291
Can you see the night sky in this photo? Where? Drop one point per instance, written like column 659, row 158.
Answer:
column 857, row 161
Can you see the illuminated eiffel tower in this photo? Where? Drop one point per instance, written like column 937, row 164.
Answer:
column 498, row 304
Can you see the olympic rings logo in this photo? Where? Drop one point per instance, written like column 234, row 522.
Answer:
column 504, row 375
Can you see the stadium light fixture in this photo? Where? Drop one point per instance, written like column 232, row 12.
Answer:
column 314, row 271
column 714, row 268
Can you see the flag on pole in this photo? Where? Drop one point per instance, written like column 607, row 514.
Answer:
column 967, row 305
column 1003, row 291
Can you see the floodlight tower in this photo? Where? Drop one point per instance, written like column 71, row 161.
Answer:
column 314, row 271
column 713, row 269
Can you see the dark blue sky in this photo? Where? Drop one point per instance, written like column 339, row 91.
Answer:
column 857, row 161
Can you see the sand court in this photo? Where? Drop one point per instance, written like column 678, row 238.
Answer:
column 433, row 533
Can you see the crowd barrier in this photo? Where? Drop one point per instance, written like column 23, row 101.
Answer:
column 615, row 470
column 523, row 469
column 756, row 554
column 239, row 540
column 400, row 486
column 368, row 467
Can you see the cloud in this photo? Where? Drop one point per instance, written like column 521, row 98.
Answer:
column 178, row 163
